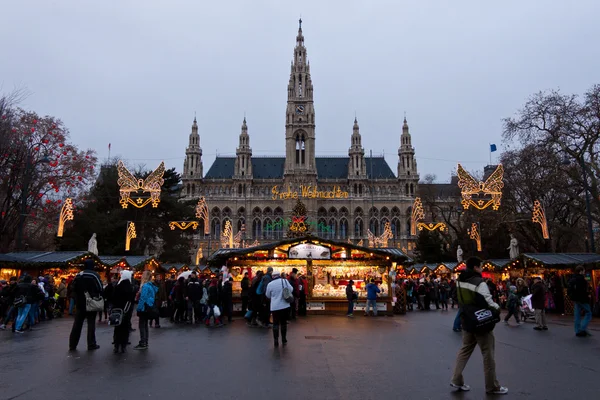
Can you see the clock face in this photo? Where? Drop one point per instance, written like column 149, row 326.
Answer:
column 300, row 109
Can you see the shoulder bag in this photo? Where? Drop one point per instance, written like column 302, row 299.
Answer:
column 286, row 292
column 476, row 319
column 94, row 304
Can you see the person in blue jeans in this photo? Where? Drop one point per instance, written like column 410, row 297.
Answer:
column 29, row 292
column 350, row 298
column 372, row 291
column 457, row 322
column 579, row 292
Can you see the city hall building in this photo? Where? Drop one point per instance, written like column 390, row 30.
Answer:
column 344, row 196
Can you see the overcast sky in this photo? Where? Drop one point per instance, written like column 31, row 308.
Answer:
column 133, row 73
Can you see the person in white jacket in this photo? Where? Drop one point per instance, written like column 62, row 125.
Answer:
column 280, row 307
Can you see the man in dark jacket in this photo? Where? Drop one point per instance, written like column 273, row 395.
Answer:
column 472, row 290
column 538, row 302
column 578, row 291
column 31, row 295
column 265, row 311
column 245, row 292
column 8, row 297
column 227, row 299
column 350, row 298
column 87, row 281
column 194, row 295
column 293, row 279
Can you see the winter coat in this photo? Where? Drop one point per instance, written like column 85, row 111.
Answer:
column 538, row 296
column 349, row 292
column 274, row 292
column 122, row 294
column 213, row 295
column 194, row 290
column 147, row 295
column 245, row 287
column 227, row 292
column 87, row 281
column 472, row 290
column 372, row 291
column 62, row 291
column 581, row 293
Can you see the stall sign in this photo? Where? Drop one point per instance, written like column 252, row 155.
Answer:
column 309, row 251
column 363, row 306
column 315, row 306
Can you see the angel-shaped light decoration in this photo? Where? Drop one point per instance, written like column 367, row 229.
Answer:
column 417, row 215
column 539, row 217
column 133, row 190
column 481, row 195
column 227, row 235
column 202, row 214
column 237, row 239
column 199, row 255
column 130, row 234
column 66, row 214
column 475, row 234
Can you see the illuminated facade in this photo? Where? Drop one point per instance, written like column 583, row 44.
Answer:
column 345, row 197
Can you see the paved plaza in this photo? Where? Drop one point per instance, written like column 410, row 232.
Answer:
column 328, row 357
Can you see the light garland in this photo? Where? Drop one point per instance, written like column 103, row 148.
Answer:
column 227, row 235
column 417, row 215
column 131, row 234
column 198, row 255
column 202, row 214
column 539, row 217
column 481, row 195
column 183, row 225
column 475, row 234
column 432, row 226
column 66, row 214
column 129, row 185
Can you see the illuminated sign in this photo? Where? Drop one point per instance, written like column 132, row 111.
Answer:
column 309, row 251
column 311, row 192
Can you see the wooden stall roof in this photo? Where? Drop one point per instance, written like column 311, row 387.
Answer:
column 176, row 267
column 565, row 260
column 223, row 254
column 47, row 259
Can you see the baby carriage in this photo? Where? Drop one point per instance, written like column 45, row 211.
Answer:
column 526, row 309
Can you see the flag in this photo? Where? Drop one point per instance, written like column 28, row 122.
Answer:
column 493, row 148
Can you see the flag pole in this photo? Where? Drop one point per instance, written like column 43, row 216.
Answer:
column 490, row 147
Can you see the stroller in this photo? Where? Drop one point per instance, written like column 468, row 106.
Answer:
column 526, row 309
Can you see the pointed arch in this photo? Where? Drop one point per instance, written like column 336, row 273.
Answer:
column 358, row 228
column 343, row 229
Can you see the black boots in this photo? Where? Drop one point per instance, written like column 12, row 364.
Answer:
column 284, row 334
column 276, row 335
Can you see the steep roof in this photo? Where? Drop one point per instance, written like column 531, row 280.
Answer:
column 272, row 168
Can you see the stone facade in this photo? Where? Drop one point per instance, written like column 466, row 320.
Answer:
column 344, row 196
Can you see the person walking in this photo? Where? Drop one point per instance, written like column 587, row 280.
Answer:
column 161, row 298
column 8, row 294
column 123, row 298
column 245, row 284
column 578, row 291
column 213, row 301
column 28, row 294
column 302, row 290
column 444, row 288
column 473, row 291
column 293, row 280
column 512, row 305
column 87, row 281
column 193, row 296
column 227, row 299
column 145, row 309
column 372, row 291
column 265, row 309
column 256, row 292
column 279, row 306
column 350, row 298
column 538, row 302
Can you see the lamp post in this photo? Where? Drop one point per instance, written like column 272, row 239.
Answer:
column 29, row 169
column 591, row 244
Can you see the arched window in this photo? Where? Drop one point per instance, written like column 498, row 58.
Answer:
column 322, row 228
column 358, row 228
column 412, row 189
column 407, row 192
column 268, row 229
column 278, row 228
column 408, row 224
column 193, row 189
column 240, row 190
column 256, row 229
column 241, row 224
column 216, row 229
column 374, row 227
column 360, row 189
column 332, row 228
column 396, row 228
column 344, row 229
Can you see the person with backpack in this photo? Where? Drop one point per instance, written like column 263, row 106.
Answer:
column 147, row 308
column 578, row 292
column 279, row 292
column 476, row 303
column 87, row 281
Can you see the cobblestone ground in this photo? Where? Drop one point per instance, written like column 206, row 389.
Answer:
column 328, row 357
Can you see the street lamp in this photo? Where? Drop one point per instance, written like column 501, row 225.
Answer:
column 591, row 242
column 26, row 181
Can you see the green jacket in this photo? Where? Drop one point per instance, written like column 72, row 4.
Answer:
column 472, row 290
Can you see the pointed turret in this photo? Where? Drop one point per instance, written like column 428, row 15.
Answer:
column 300, row 115
column 407, row 164
column 243, row 161
column 192, row 166
column 356, row 164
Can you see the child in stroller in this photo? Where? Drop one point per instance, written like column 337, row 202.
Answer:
column 526, row 309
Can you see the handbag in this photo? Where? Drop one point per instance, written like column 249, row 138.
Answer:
column 216, row 311
column 19, row 301
column 286, row 293
column 93, row 304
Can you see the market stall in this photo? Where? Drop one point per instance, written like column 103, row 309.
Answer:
column 556, row 270
column 327, row 265
column 500, row 270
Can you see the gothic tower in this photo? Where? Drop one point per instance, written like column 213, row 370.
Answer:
column 357, row 167
column 243, row 161
column 300, row 117
column 407, row 165
column 192, row 166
